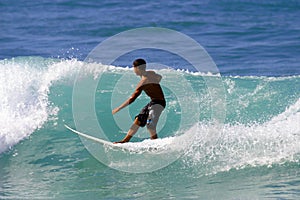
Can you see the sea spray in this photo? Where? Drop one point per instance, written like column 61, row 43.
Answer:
column 24, row 88
column 239, row 145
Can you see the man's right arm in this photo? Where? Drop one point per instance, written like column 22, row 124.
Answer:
column 131, row 99
column 135, row 95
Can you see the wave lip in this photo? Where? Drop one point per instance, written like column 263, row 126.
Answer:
column 24, row 88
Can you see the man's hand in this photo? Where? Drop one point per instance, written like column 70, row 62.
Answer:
column 115, row 110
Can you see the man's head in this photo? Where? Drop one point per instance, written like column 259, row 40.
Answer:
column 139, row 66
column 140, row 63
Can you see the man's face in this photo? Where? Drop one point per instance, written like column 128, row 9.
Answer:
column 137, row 71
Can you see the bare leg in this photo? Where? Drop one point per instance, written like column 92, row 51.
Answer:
column 133, row 129
column 153, row 134
column 157, row 109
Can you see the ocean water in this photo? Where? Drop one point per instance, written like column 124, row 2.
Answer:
column 253, row 152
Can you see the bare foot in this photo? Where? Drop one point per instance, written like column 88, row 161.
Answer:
column 154, row 137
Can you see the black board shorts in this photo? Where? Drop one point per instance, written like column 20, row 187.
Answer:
column 156, row 106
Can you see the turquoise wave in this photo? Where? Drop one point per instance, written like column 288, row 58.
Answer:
column 261, row 112
column 259, row 136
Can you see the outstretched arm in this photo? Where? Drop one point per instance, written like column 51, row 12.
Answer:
column 137, row 92
column 123, row 105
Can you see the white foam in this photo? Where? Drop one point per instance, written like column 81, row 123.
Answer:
column 216, row 148
column 161, row 145
column 24, row 90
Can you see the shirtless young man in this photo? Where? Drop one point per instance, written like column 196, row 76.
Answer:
column 149, row 83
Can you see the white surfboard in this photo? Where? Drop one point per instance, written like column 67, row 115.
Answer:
column 148, row 146
column 101, row 141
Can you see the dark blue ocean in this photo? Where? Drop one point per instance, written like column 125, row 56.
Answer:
column 231, row 131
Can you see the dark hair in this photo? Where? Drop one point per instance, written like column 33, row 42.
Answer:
column 139, row 62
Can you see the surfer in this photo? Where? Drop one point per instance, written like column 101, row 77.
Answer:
column 149, row 115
